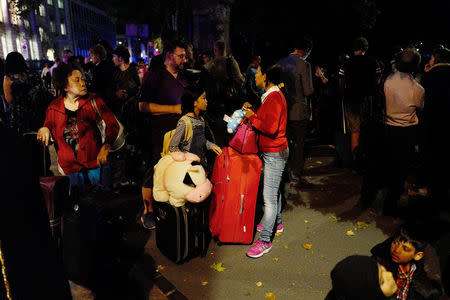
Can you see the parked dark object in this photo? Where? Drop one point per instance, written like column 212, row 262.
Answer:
column 182, row 232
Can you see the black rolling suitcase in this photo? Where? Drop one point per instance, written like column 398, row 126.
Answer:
column 182, row 232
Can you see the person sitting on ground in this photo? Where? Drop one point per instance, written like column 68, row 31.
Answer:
column 71, row 123
column 193, row 103
column 270, row 121
column 402, row 254
column 359, row 277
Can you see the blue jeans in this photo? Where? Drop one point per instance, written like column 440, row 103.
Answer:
column 77, row 180
column 274, row 164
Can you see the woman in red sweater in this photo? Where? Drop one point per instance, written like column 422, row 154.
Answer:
column 270, row 121
column 71, row 123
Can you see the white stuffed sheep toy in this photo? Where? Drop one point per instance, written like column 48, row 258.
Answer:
column 179, row 177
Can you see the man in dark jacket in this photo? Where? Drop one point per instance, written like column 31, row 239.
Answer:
column 436, row 111
column 102, row 77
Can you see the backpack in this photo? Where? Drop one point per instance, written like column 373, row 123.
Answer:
column 169, row 135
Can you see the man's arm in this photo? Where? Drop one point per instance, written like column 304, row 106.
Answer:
column 159, row 109
column 305, row 71
column 236, row 72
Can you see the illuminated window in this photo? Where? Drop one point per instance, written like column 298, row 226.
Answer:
column 42, row 10
column 26, row 23
column 52, row 26
column 50, row 2
column 18, row 45
column 63, row 29
column 42, row 33
column 61, row 3
column 4, row 46
column 1, row 14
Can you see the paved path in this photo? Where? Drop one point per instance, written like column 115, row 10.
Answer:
column 319, row 214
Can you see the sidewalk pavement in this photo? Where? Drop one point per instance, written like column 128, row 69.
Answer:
column 322, row 225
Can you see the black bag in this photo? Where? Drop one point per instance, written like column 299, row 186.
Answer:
column 182, row 232
column 92, row 238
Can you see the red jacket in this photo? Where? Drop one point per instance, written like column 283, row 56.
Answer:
column 89, row 142
column 271, row 120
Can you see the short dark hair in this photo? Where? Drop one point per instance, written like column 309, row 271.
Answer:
column 61, row 75
column 414, row 234
column 273, row 74
column 189, row 97
column 15, row 63
column 219, row 45
column 408, row 61
column 170, row 46
column 441, row 55
column 99, row 50
column 303, row 43
column 122, row 52
column 360, row 43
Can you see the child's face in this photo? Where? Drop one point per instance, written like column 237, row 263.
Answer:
column 403, row 252
column 201, row 103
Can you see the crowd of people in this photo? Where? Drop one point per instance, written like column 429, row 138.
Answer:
column 380, row 117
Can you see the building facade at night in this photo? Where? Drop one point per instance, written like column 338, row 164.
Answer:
column 90, row 23
column 56, row 25
column 40, row 35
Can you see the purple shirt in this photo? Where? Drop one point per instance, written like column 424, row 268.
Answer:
column 161, row 87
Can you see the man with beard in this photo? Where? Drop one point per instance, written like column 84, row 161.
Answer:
column 161, row 93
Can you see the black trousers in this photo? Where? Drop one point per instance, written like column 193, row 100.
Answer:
column 296, row 133
column 398, row 154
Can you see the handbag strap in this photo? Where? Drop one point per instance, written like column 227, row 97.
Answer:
column 94, row 106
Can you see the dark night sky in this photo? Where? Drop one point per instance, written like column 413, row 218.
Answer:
column 333, row 24
column 267, row 26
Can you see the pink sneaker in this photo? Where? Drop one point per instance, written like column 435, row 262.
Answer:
column 259, row 249
column 279, row 228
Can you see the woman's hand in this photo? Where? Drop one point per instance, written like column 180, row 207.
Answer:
column 216, row 150
column 248, row 110
column 246, row 106
column 44, row 136
column 102, row 157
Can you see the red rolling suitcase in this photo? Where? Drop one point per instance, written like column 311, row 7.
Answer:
column 232, row 210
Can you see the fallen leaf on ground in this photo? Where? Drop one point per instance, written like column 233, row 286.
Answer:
column 306, row 221
column 259, row 283
column 319, row 162
column 362, row 225
column 349, row 233
column 275, row 259
column 307, row 246
column 336, row 218
column 204, row 283
column 160, row 267
column 286, row 247
column 271, row 296
column 278, row 234
column 218, row 267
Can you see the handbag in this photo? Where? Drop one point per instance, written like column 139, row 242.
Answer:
column 245, row 141
column 121, row 136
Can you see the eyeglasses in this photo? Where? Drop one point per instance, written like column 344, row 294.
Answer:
column 181, row 56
